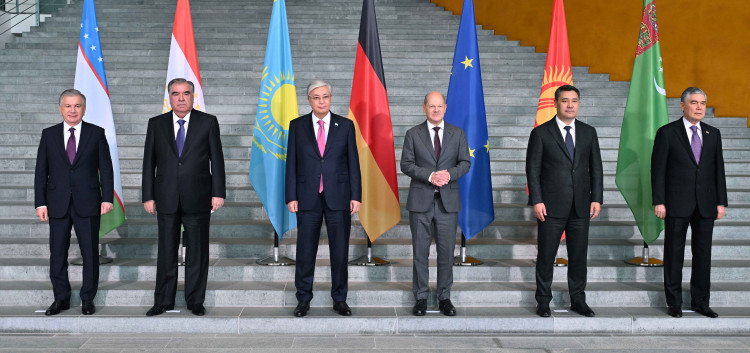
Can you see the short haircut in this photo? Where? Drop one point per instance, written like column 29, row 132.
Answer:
column 565, row 88
column 180, row 80
column 317, row 84
column 72, row 92
column 428, row 94
column 691, row 90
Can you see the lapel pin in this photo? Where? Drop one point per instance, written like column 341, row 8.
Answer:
column 706, row 132
column 337, row 124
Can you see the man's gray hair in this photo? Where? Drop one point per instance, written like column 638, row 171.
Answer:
column 317, row 84
column 180, row 80
column 691, row 90
column 72, row 93
column 428, row 94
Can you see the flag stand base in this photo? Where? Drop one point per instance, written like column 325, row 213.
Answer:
column 561, row 262
column 275, row 259
column 463, row 260
column 103, row 259
column 645, row 261
column 369, row 260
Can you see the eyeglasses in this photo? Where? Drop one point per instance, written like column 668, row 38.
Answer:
column 320, row 98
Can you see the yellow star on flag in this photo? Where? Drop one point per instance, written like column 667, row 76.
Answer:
column 467, row 62
column 487, row 146
column 471, row 152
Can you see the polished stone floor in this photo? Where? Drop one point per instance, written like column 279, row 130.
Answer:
column 146, row 343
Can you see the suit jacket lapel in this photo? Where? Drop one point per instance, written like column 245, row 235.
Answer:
column 424, row 136
column 169, row 133
column 447, row 138
column 555, row 132
column 578, row 142
column 679, row 129
column 59, row 141
column 309, row 133
column 85, row 139
column 333, row 130
column 195, row 122
column 708, row 141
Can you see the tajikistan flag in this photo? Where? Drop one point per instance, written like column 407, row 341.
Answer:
column 91, row 80
column 183, row 57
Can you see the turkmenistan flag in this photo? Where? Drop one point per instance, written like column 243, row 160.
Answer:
column 91, row 80
column 645, row 112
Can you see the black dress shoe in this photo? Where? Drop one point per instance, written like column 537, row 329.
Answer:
column 159, row 309
column 705, row 311
column 197, row 310
column 583, row 309
column 302, row 309
column 447, row 308
column 542, row 309
column 420, row 307
column 342, row 308
column 88, row 308
column 57, row 306
column 674, row 311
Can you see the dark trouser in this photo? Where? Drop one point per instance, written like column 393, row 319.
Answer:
column 577, row 240
column 87, row 232
column 675, row 233
column 441, row 225
column 195, row 238
column 338, row 224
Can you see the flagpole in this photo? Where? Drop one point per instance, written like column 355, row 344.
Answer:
column 645, row 260
column 463, row 259
column 275, row 259
column 369, row 260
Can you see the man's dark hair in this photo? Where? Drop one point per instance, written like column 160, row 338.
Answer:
column 564, row 88
column 180, row 80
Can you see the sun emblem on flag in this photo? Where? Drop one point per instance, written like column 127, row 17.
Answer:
column 277, row 106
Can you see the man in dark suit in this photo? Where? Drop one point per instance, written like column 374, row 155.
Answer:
column 183, row 182
column 688, row 188
column 565, row 180
column 73, row 187
column 322, row 179
column 435, row 155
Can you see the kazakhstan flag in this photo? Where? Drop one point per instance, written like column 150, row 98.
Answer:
column 466, row 110
column 277, row 106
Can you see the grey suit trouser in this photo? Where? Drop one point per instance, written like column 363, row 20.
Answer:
column 441, row 225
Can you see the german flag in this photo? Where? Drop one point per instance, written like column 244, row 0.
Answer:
column 369, row 111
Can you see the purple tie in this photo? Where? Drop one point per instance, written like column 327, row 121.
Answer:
column 180, row 139
column 71, row 148
column 695, row 144
column 436, row 142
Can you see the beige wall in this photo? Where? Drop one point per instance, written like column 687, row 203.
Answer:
column 703, row 43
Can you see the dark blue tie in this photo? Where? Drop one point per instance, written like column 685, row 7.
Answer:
column 180, row 140
column 569, row 143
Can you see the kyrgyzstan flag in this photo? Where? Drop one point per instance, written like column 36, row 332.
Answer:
column 369, row 111
column 183, row 57
column 91, row 80
column 557, row 69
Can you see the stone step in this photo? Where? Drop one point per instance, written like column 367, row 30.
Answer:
column 400, row 269
column 375, row 294
column 223, row 248
column 387, row 320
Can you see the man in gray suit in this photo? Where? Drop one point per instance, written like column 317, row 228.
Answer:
column 435, row 155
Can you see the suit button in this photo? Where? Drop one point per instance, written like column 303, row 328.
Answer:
column 179, row 163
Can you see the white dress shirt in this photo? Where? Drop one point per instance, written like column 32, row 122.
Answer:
column 561, row 125
column 690, row 131
column 176, row 125
column 326, row 124
column 66, row 134
column 430, row 128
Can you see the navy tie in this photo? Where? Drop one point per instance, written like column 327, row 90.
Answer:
column 569, row 143
column 180, row 140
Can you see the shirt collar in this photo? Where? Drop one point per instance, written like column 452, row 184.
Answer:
column 688, row 124
column 561, row 125
column 326, row 119
column 175, row 118
column 441, row 125
column 77, row 127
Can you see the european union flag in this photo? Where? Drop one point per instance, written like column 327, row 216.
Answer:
column 277, row 106
column 466, row 110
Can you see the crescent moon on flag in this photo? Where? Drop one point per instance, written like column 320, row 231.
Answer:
column 661, row 91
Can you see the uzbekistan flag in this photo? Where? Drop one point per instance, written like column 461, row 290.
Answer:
column 183, row 57
column 277, row 106
column 369, row 111
column 91, row 80
column 466, row 110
